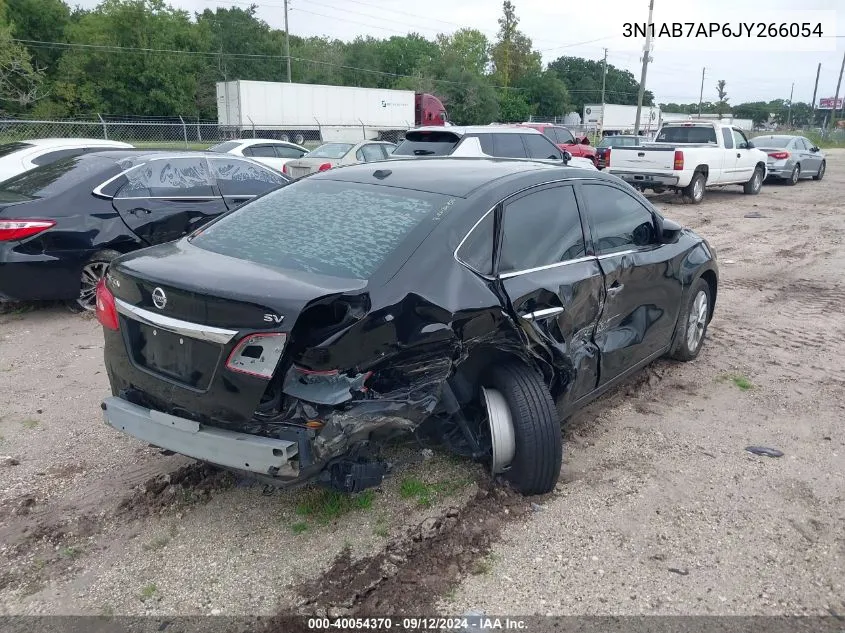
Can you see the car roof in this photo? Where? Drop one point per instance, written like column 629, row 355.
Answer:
column 258, row 141
column 779, row 136
column 457, row 177
column 477, row 129
column 63, row 142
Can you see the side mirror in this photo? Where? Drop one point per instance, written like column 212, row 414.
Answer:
column 669, row 231
column 585, row 141
column 566, row 157
column 814, row 149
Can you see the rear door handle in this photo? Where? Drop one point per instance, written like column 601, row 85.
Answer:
column 739, row 155
column 542, row 314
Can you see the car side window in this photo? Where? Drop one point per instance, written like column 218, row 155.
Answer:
column 260, row 151
column 387, row 149
column 508, row 146
column 59, row 154
column 728, row 137
column 739, row 138
column 802, row 143
column 540, row 147
column 486, row 141
column 369, row 153
column 243, row 178
column 283, row 151
column 619, row 222
column 541, row 228
column 564, row 136
column 476, row 251
column 168, row 178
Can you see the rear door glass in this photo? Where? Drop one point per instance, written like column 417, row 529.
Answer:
column 167, row 178
column 260, row 151
column 427, row 144
column 508, row 146
column 242, row 178
column 340, row 229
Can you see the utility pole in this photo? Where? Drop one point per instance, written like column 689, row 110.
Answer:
column 815, row 92
column 789, row 110
column 603, row 81
column 701, row 94
column 836, row 96
column 287, row 39
column 646, row 59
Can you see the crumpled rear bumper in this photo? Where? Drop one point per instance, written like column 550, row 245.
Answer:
column 241, row 451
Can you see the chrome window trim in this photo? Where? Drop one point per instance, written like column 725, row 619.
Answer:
column 177, row 326
column 503, row 201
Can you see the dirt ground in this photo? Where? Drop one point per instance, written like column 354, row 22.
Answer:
column 660, row 508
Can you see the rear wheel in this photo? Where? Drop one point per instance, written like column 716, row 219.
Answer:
column 794, row 176
column 692, row 323
column 820, row 173
column 694, row 191
column 92, row 272
column 524, row 428
column 753, row 186
column 299, row 139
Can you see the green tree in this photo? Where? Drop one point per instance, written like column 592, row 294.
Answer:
column 42, row 21
column 546, row 94
column 21, row 83
column 468, row 98
column 757, row 111
column 409, row 55
column 722, row 106
column 513, row 107
column 512, row 54
column 465, row 49
column 583, row 79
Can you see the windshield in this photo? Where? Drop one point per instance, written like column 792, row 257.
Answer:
column 427, row 144
column 10, row 148
column 341, row 229
column 772, row 141
column 330, row 150
column 54, row 178
column 224, row 147
column 687, row 134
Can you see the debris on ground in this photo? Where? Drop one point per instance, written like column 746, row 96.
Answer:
column 764, row 451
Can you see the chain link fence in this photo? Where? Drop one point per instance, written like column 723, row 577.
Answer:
column 178, row 132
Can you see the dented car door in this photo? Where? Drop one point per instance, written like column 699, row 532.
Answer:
column 555, row 289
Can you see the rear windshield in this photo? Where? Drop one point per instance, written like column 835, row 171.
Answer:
column 772, row 141
column 331, row 150
column 427, row 144
column 323, row 227
column 618, row 141
column 54, row 178
column 10, row 148
column 687, row 134
column 225, row 146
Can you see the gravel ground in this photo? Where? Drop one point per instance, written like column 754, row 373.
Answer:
column 659, row 509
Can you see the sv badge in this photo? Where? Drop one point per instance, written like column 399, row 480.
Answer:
column 274, row 318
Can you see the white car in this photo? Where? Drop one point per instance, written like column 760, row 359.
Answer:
column 271, row 152
column 21, row 156
column 486, row 141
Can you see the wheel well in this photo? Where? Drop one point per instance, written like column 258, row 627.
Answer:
column 467, row 378
column 762, row 166
column 702, row 169
column 710, row 277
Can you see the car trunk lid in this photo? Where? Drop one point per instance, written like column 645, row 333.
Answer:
column 644, row 157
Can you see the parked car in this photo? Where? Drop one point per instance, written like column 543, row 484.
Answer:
column 485, row 141
column 61, row 224
column 331, row 155
column 452, row 298
column 564, row 139
column 603, row 149
column 688, row 157
column 21, row 156
column 270, row 152
column 792, row 158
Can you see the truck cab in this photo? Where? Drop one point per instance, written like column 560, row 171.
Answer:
column 429, row 110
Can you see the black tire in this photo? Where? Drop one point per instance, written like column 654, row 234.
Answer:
column 535, row 467
column 93, row 268
column 694, row 192
column 754, row 184
column 822, row 169
column 794, row 176
column 682, row 349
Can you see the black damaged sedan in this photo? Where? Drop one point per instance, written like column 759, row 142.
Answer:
column 455, row 299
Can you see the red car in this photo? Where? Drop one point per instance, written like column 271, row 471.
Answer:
column 564, row 139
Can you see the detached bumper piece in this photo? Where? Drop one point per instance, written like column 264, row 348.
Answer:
column 240, row 451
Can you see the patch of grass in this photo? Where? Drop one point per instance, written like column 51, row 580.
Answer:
column 451, row 595
column 381, row 531
column 158, row 543
column 485, row 564
column 324, row 506
column 425, row 494
column 300, row 527
column 30, row 423
column 107, row 610
column 739, row 381
column 148, row 591
column 70, row 552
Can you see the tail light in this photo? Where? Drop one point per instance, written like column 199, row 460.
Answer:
column 679, row 160
column 607, row 157
column 284, row 169
column 257, row 354
column 325, row 167
column 11, row 230
column 779, row 155
column 106, row 308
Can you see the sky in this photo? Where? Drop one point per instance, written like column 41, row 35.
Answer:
column 755, row 70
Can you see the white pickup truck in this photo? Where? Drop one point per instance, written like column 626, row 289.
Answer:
column 689, row 156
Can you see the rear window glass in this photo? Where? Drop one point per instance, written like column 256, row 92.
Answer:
column 772, row 141
column 55, row 178
column 427, row 144
column 322, row 227
column 225, row 147
column 10, row 148
column 331, row 150
column 690, row 134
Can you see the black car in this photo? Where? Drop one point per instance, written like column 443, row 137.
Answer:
column 603, row 149
column 451, row 298
column 62, row 223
